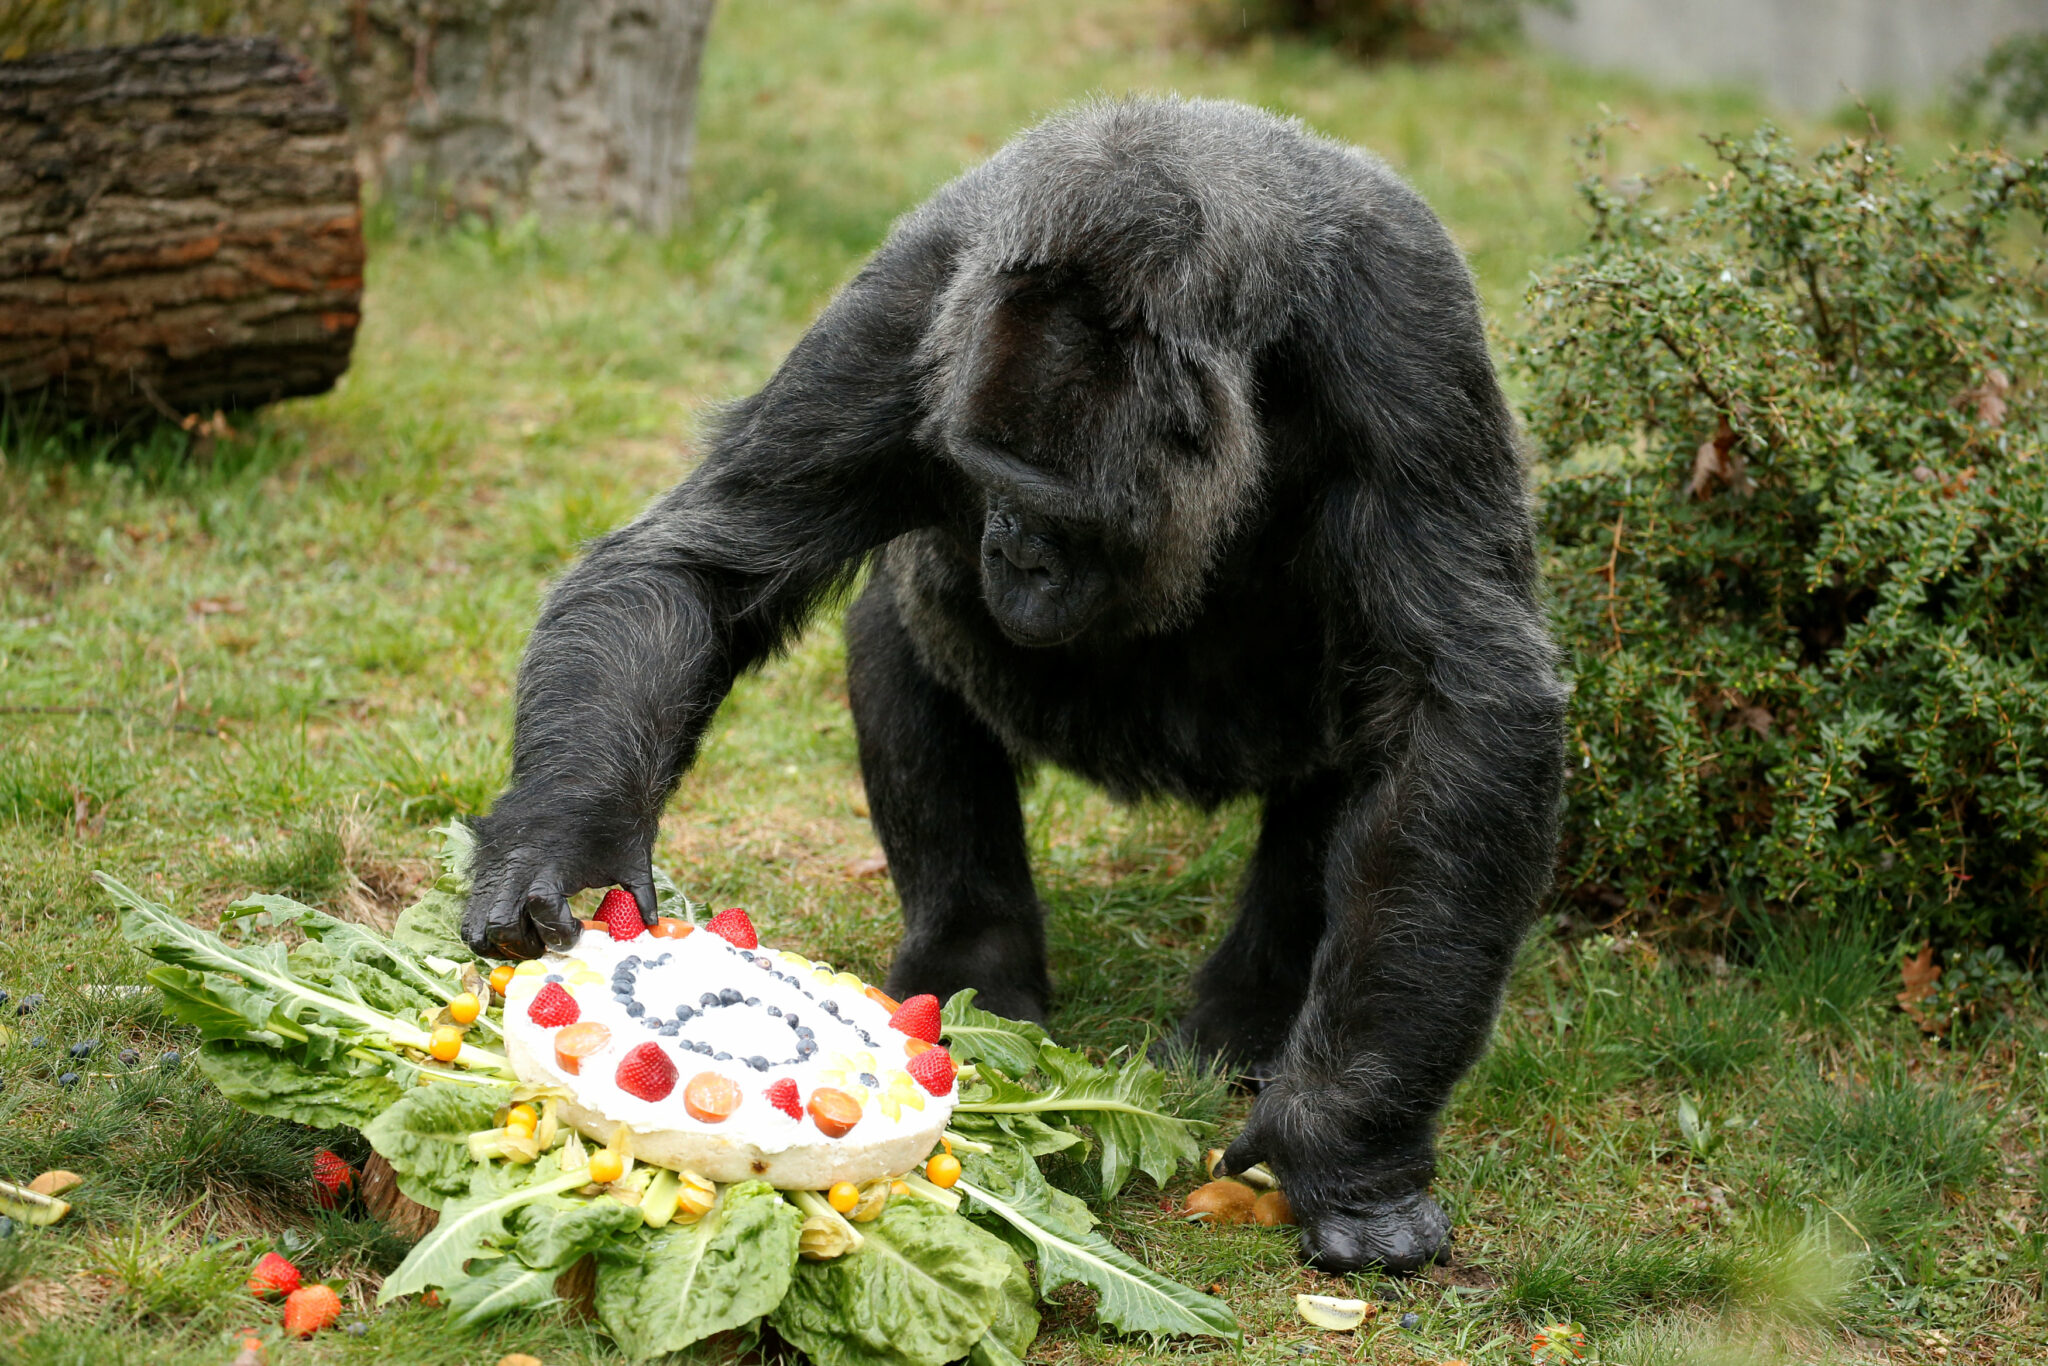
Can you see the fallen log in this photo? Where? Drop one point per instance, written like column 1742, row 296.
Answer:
column 179, row 229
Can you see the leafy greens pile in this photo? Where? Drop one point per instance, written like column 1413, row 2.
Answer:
column 333, row 1031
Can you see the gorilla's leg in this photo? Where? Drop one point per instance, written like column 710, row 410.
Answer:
column 943, row 796
column 1248, row 993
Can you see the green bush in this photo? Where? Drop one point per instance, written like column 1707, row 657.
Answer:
column 1794, row 493
column 1371, row 28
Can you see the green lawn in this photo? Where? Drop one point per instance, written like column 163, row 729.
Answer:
column 277, row 666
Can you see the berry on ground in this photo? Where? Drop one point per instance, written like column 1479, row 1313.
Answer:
column 552, row 1007
column 782, row 1095
column 647, row 1072
column 735, row 929
column 933, row 1069
column 334, row 1176
column 309, row 1309
column 918, row 1017
column 621, row 914
column 273, row 1276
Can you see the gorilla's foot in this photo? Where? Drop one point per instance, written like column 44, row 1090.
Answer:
column 1004, row 964
column 1400, row 1236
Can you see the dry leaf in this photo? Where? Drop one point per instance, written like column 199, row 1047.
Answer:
column 213, row 607
column 1717, row 459
column 874, row 866
column 1988, row 398
column 1919, row 974
column 1758, row 719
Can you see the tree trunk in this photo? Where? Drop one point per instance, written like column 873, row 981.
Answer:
column 562, row 106
column 179, row 228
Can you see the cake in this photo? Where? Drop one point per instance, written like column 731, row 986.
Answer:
column 729, row 1059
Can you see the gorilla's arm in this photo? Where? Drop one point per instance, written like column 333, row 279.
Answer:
column 640, row 642
column 1453, row 754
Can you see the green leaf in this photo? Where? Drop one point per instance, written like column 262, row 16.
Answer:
column 661, row 1290
column 265, row 1082
column 924, row 1287
column 1024, row 1131
column 1016, row 1325
column 425, row 1137
column 975, row 1035
column 1124, row 1107
column 1056, row 1229
column 433, row 924
column 474, row 1225
column 507, row 1284
column 389, row 976
column 555, row 1233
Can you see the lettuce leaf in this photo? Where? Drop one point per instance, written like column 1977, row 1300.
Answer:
column 663, row 1289
column 1056, row 1229
column 1125, row 1108
column 505, row 1285
column 925, row 1286
column 348, row 958
column 433, row 924
column 474, row 1225
column 974, row 1035
column 264, row 1082
column 1016, row 1325
column 424, row 1135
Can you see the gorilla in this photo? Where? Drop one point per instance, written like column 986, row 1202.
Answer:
column 1171, row 446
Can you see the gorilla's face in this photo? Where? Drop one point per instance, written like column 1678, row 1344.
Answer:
column 1108, row 468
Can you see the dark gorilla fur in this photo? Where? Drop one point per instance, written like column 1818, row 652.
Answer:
column 1172, row 439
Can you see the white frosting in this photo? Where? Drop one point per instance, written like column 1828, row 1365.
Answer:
column 855, row 1051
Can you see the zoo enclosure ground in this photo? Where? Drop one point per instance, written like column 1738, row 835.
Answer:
column 277, row 665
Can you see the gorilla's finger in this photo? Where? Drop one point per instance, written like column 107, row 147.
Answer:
column 492, row 925
column 549, row 911
column 640, row 882
column 1246, row 1152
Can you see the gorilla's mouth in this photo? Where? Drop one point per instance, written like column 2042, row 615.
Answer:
column 1039, row 591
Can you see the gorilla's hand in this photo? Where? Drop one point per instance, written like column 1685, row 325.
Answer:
column 530, row 860
column 1359, row 1203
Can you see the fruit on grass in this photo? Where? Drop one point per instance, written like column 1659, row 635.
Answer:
column 918, row 1017
column 647, row 1072
column 1329, row 1312
column 465, row 1008
column 577, row 1042
column 710, row 1097
column 273, row 1276
column 933, row 1069
column 734, row 928
column 130, row 1057
column 84, row 1049
column 309, row 1309
column 620, row 915
column 67, row 1079
column 333, row 1175
column 552, row 1007
column 1221, row 1202
column 843, row 1196
column 606, row 1166
column 943, row 1170
column 1272, row 1209
column 668, row 927
column 833, row 1111
column 783, row 1096
column 446, row 1045
column 501, row 977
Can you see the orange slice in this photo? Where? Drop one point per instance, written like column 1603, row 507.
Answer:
column 834, row 1112
column 709, row 1097
column 578, row 1041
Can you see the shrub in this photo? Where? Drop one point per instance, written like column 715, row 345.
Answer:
column 1371, row 28
column 1795, row 506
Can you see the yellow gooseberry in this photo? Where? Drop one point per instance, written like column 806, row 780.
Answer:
column 465, row 1008
column 501, row 977
column 943, row 1171
column 843, row 1196
column 606, row 1166
column 446, row 1045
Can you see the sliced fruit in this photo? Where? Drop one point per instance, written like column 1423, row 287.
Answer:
column 668, row 927
column 552, row 1007
column 55, row 1182
column 1333, row 1314
column 647, row 1072
column 658, row 1205
column 711, row 1097
column 31, row 1207
column 834, row 1111
column 913, row 1047
column 577, row 1042
column 918, row 1017
column 1272, row 1209
column 735, row 929
column 1221, row 1202
column 884, row 1000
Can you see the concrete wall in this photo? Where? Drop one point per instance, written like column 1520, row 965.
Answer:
column 1807, row 54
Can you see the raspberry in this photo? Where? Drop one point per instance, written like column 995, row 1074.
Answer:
column 334, row 1176
column 273, row 1276
column 309, row 1310
column 918, row 1017
column 647, row 1072
column 782, row 1095
column 735, row 929
column 933, row 1069
column 553, row 1007
column 621, row 914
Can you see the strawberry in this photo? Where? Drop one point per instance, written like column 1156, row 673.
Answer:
column 782, row 1095
column 647, row 1072
column 621, row 914
column 933, row 1069
column 735, row 929
column 553, row 1007
column 273, row 1276
column 918, row 1017
column 333, row 1175
column 309, row 1310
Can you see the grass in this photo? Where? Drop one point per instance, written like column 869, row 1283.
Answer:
column 276, row 666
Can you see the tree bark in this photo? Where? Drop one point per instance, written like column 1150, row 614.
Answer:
column 563, row 107
column 179, row 228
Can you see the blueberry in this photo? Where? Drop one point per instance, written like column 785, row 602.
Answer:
column 721, row 1057
column 129, row 1057
column 730, row 997
column 671, row 1029
column 867, row 1079
column 552, row 977
column 3, row 996
column 635, row 1009
column 173, row 1058
column 753, row 1000
column 775, row 1010
column 831, row 1008
column 631, row 960
column 759, row 1064
column 39, row 1042
column 356, row 1330
column 68, row 1079
column 708, row 999
column 747, row 954
column 806, row 1048
column 1409, row 1321
column 29, row 1003
column 794, row 1020
column 6, row 1227
column 805, row 1032
column 84, row 1049
column 685, row 1013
